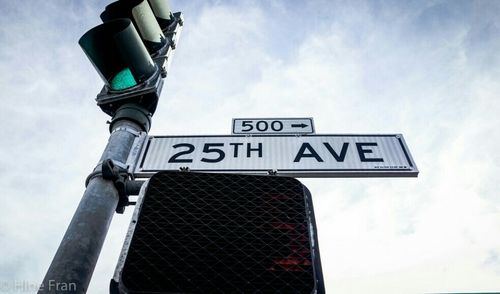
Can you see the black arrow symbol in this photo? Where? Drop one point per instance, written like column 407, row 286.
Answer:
column 302, row 125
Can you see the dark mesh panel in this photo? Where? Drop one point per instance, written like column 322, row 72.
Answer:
column 218, row 233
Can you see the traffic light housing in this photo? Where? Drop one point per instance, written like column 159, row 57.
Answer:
column 163, row 14
column 130, row 51
column 119, row 56
column 143, row 18
column 221, row 233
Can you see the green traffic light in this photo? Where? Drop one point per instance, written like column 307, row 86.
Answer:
column 118, row 53
column 123, row 80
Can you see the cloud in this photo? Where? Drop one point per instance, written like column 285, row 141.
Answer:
column 427, row 70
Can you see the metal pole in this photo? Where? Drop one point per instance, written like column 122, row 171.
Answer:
column 76, row 257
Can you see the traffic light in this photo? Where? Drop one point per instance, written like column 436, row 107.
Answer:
column 161, row 10
column 221, row 233
column 140, row 13
column 131, row 52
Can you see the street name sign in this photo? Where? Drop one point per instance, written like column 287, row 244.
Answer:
column 288, row 155
column 272, row 126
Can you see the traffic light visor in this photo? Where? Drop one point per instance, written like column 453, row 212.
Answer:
column 161, row 10
column 118, row 54
column 141, row 15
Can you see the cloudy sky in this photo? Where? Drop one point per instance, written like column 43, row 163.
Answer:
column 427, row 69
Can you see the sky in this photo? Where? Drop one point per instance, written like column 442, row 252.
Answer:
column 426, row 69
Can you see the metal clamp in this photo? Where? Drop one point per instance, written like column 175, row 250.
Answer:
column 127, row 129
column 272, row 172
column 119, row 176
column 118, row 173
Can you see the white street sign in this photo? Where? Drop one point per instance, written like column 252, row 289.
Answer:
column 298, row 156
column 272, row 126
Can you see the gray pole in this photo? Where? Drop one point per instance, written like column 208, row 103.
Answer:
column 76, row 257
